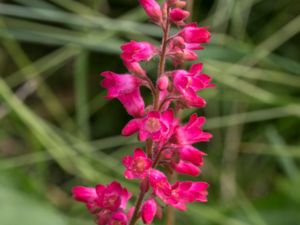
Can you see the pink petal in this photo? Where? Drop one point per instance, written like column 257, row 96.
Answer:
column 148, row 211
column 138, row 152
column 152, row 8
column 84, row 194
column 196, row 69
column 188, row 168
column 131, row 127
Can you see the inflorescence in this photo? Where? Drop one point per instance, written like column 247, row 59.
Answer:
column 168, row 143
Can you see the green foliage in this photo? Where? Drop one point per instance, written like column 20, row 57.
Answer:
column 57, row 130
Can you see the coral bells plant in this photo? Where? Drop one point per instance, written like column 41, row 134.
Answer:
column 168, row 143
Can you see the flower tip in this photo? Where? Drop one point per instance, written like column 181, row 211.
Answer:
column 149, row 210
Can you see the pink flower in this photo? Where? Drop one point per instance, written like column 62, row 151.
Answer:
column 153, row 10
column 118, row 218
column 162, row 83
column 191, row 154
column 155, row 125
column 192, row 191
column 102, row 199
column 178, row 16
column 180, row 51
column 160, row 185
column 84, row 194
column 184, row 159
column 137, row 51
column 103, row 217
column 179, row 194
column 148, row 211
column 188, row 168
column 138, row 165
column 187, row 192
column 126, row 88
column 190, row 99
column 192, row 132
column 191, row 33
column 112, row 197
column 188, row 83
column 135, row 68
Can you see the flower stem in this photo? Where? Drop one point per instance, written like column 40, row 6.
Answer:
column 149, row 144
column 170, row 210
column 162, row 61
column 138, row 205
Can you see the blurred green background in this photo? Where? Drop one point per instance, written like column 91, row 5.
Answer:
column 57, row 130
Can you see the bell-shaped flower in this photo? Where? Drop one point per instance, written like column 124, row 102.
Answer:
column 184, row 159
column 191, row 154
column 126, row 88
column 148, row 211
column 191, row 33
column 193, row 79
column 103, row 216
column 187, row 83
column 178, row 16
column 187, row 192
column 153, row 10
column 155, row 125
column 162, row 83
column 138, row 165
column 160, row 185
column 192, row 131
column 178, row 194
column 112, row 197
column 102, row 199
column 118, row 218
column 135, row 68
column 188, row 168
column 84, row 194
column 180, row 51
column 134, row 51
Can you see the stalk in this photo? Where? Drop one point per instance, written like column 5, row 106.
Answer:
column 149, row 143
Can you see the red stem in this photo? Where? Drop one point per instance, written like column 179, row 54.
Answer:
column 149, row 144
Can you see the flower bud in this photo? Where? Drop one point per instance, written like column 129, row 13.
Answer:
column 163, row 83
column 135, row 68
column 178, row 16
column 153, row 10
column 148, row 212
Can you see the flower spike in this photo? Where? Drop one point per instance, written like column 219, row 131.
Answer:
column 168, row 143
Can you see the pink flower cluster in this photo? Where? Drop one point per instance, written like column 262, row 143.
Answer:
column 107, row 203
column 169, row 143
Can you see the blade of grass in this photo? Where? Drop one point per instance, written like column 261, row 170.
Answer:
column 255, row 116
column 257, row 73
column 279, row 147
column 52, row 61
column 85, row 21
column 52, row 103
column 81, row 93
column 50, row 140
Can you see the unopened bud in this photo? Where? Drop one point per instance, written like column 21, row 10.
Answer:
column 163, row 83
column 153, row 10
